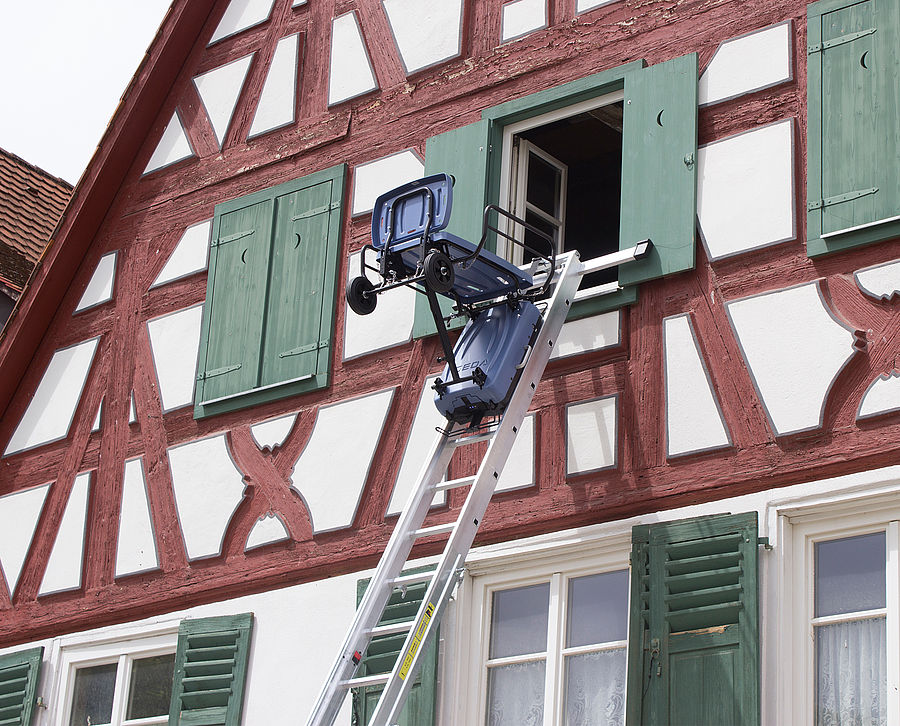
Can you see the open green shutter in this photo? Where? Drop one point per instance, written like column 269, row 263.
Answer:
column 659, row 169
column 235, row 298
column 853, row 180
column 19, row 673
column 465, row 153
column 210, row 671
column 694, row 626
column 382, row 654
column 296, row 344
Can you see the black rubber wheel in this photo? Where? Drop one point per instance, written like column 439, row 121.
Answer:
column 360, row 297
column 439, row 272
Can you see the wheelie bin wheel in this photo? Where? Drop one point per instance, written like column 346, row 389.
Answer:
column 360, row 297
column 439, row 272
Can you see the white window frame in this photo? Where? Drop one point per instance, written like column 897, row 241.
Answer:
column 121, row 646
column 489, row 572
column 800, row 530
column 510, row 177
column 523, row 149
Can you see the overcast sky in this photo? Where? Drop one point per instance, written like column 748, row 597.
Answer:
column 63, row 68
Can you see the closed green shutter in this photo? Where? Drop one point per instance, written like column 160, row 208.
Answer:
column 693, row 655
column 853, row 180
column 382, row 654
column 210, row 671
column 659, row 168
column 270, row 302
column 19, row 673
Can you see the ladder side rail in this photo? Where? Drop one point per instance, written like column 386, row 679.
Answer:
column 394, row 695
column 378, row 593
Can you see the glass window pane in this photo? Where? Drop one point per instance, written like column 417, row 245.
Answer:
column 535, row 243
column 519, row 621
column 850, row 574
column 543, row 185
column 851, row 665
column 598, row 608
column 93, row 695
column 595, row 689
column 516, row 695
column 151, row 686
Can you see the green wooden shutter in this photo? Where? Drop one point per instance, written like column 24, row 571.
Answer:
column 295, row 342
column 235, row 298
column 693, row 655
column 19, row 673
column 210, row 671
column 853, row 180
column 383, row 652
column 659, row 168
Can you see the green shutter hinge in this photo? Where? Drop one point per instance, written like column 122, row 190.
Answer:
column 763, row 542
column 317, row 211
column 689, row 160
column 818, row 47
column 304, row 349
column 838, row 199
column 232, row 237
column 218, row 372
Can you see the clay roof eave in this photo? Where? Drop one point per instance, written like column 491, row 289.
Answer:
column 95, row 191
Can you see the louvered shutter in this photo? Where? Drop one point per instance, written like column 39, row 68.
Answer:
column 853, row 180
column 383, row 652
column 19, row 673
column 694, row 627
column 210, row 671
column 659, row 169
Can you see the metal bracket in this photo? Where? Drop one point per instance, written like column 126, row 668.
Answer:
column 304, row 349
column 838, row 199
column 317, row 211
column 218, row 372
column 849, row 38
column 232, row 238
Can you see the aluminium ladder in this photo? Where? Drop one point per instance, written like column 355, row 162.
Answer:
column 443, row 580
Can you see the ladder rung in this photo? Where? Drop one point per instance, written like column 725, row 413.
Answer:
column 413, row 579
column 466, row 439
column 392, row 629
column 436, row 529
column 454, row 483
column 364, row 681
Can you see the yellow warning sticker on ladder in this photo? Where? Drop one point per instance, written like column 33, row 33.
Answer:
column 416, row 642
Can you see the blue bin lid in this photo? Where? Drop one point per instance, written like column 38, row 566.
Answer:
column 409, row 209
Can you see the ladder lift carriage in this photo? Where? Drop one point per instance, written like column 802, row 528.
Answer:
column 514, row 316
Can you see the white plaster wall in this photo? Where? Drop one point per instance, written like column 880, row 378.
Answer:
column 52, row 407
column 175, row 342
column 794, row 347
column 880, row 281
column 173, row 146
column 521, row 17
column 749, row 63
column 19, row 514
column 268, row 529
column 136, row 544
column 390, row 324
column 332, row 470
column 882, row 396
column 693, row 416
column 64, row 565
column 418, row 445
column 240, row 15
column 272, row 433
column 208, row 488
column 219, row 90
column 189, row 256
column 425, row 33
column 585, row 5
column 588, row 334
column 591, row 431
column 100, row 288
column 351, row 72
column 745, row 196
column 98, row 419
column 519, row 470
column 374, row 178
column 277, row 99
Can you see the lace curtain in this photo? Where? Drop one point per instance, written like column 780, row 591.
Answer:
column 516, row 695
column 851, row 666
column 595, row 689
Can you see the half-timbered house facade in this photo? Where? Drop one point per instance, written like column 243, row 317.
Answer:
column 203, row 451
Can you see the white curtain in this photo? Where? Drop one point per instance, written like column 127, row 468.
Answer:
column 516, row 695
column 851, row 667
column 595, row 689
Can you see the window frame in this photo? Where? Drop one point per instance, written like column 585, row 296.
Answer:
column 805, row 530
column 473, row 617
column 321, row 378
